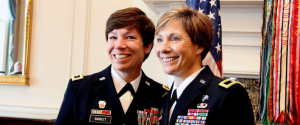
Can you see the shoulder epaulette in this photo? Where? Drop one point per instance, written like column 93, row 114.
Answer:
column 165, row 87
column 74, row 78
column 227, row 83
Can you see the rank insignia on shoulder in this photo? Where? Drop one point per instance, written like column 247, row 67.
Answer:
column 228, row 83
column 147, row 83
column 165, row 87
column 74, row 78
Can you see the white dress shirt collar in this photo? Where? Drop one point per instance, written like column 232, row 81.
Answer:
column 185, row 83
column 119, row 82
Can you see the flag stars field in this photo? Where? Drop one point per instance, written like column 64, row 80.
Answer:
column 200, row 11
column 213, row 3
column 218, row 47
column 211, row 15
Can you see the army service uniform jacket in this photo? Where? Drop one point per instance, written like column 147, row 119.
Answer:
column 84, row 97
column 204, row 101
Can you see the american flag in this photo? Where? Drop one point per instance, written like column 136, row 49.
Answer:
column 212, row 9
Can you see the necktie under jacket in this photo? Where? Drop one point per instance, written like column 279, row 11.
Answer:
column 127, row 87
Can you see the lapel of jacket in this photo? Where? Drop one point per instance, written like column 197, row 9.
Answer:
column 104, row 87
column 166, row 111
column 141, row 93
column 191, row 92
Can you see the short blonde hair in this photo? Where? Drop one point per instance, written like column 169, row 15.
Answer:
column 197, row 25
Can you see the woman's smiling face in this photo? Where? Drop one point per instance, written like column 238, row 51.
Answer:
column 126, row 49
column 175, row 50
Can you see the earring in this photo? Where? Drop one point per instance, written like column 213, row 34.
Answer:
column 198, row 52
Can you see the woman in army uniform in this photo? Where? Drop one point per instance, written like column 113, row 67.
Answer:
column 183, row 39
column 121, row 93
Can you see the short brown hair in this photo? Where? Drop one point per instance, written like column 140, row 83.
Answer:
column 197, row 25
column 134, row 18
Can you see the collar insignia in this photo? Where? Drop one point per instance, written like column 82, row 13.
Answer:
column 102, row 78
column 202, row 81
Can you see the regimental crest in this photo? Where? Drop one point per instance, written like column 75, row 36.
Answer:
column 102, row 104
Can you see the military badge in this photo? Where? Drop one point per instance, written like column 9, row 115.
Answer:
column 194, row 117
column 102, row 78
column 161, row 111
column 102, row 104
column 165, row 87
column 204, row 98
column 101, row 112
column 202, row 105
column 74, row 78
column 202, row 81
column 148, row 116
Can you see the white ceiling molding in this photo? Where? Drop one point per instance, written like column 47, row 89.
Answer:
column 163, row 5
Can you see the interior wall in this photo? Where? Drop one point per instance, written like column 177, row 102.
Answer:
column 68, row 38
column 241, row 28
